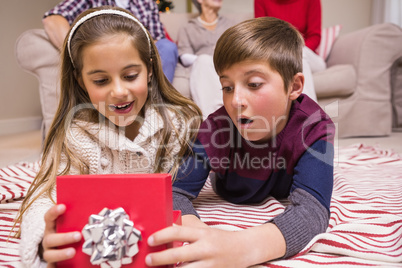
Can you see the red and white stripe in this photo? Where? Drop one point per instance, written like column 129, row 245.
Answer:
column 365, row 228
column 14, row 182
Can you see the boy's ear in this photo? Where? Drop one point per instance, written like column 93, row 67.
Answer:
column 296, row 88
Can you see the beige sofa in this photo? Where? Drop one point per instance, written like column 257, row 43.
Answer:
column 363, row 81
column 361, row 88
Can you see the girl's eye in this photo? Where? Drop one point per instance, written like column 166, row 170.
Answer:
column 227, row 89
column 100, row 81
column 131, row 77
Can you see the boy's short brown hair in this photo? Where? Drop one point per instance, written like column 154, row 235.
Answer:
column 262, row 39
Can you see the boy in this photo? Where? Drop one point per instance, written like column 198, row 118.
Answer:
column 269, row 139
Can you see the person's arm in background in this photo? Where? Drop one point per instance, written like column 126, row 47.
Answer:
column 56, row 27
column 259, row 9
column 57, row 21
column 312, row 36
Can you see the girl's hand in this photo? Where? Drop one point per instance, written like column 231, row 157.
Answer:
column 52, row 240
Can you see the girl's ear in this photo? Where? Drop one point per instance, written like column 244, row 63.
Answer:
column 150, row 73
column 296, row 88
column 80, row 81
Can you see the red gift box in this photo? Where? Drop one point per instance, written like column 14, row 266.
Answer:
column 146, row 198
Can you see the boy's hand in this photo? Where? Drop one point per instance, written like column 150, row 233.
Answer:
column 52, row 240
column 208, row 247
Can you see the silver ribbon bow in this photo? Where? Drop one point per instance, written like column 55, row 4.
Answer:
column 110, row 238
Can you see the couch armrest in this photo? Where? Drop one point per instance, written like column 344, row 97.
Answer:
column 34, row 51
column 36, row 55
column 335, row 81
column 372, row 51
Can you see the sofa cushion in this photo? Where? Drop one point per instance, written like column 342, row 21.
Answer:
column 328, row 37
column 335, row 81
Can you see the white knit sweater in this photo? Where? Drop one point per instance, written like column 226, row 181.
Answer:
column 105, row 151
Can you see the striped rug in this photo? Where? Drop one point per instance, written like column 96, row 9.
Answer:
column 14, row 182
column 365, row 228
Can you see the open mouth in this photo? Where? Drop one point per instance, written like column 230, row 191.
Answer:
column 245, row 121
column 121, row 107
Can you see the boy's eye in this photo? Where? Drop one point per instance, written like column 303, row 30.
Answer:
column 227, row 89
column 254, row 85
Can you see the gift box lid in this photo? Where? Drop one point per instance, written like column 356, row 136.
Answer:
column 146, row 198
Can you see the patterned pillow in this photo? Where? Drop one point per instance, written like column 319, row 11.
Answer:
column 328, row 37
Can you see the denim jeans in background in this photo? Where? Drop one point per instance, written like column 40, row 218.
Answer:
column 169, row 57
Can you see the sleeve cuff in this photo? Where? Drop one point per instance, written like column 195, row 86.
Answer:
column 299, row 223
column 182, row 201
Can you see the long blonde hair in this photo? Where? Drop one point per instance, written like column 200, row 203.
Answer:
column 162, row 95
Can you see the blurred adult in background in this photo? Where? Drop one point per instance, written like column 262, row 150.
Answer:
column 305, row 16
column 196, row 43
column 57, row 22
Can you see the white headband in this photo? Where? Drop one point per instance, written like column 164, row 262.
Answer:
column 102, row 12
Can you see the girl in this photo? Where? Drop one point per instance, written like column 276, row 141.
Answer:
column 118, row 114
